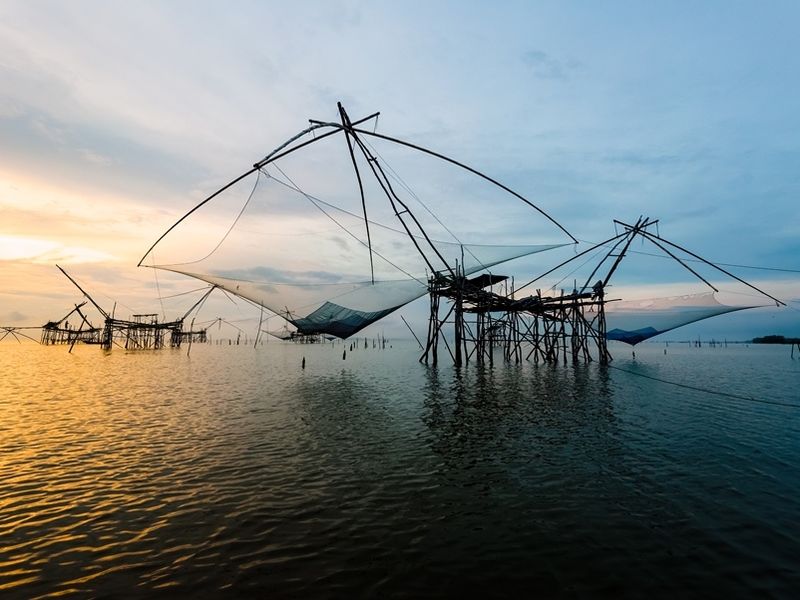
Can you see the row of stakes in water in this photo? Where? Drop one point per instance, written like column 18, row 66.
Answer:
column 380, row 343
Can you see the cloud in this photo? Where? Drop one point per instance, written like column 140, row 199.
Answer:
column 341, row 243
column 43, row 251
column 89, row 157
column 545, row 66
column 268, row 274
column 94, row 157
column 13, row 317
column 47, row 130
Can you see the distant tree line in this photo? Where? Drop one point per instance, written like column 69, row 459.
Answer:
column 775, row 339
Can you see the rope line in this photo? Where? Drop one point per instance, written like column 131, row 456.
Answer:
column 316, row 202
column 781, row 270
column 185, row 293
column 158, row 289
column 707, row 391
column 404, row 185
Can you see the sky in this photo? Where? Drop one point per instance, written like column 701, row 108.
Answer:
column 117, row 118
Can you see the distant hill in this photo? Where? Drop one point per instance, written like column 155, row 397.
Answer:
column 775, row 339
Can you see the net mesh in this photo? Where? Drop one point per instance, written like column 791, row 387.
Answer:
column 633, row 321
column 292, row 237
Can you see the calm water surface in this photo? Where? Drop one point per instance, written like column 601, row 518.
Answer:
column 232, row 472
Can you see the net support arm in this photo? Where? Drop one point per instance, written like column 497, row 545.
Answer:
column 653, row 237
column 569, row 260
column 88, row 297
column 467, row 168
column 347, row 124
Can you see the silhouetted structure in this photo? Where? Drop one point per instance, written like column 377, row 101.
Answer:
column 538, row 328
column 550, row 328
column 142, row 332
column 60, row 332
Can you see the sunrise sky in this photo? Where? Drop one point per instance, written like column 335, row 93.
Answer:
column 116, row 118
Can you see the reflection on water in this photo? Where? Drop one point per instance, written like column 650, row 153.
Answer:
column 500, row 413
column 236, row 472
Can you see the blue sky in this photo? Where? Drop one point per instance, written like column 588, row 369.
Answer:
column 116, row 118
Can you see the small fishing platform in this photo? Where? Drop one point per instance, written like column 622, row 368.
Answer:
column 141, row 332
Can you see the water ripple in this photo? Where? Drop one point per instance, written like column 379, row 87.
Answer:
column 233, row 472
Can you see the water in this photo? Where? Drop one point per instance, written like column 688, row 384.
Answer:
column 235, row 473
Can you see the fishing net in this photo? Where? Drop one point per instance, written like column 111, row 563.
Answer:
column 633, row 321
column 298, row 236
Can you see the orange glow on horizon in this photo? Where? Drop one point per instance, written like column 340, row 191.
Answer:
column 42, row 251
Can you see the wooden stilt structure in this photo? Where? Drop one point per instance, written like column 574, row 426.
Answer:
column 61, row 332
column 547, row 329
column 567, row 327
column 141, row 332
